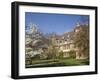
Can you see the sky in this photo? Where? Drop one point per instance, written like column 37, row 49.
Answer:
column 56, row 23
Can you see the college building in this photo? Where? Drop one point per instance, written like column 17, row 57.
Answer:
column 65, row 42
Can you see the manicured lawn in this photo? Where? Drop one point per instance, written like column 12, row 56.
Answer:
column 57, row 62
column 70, row 62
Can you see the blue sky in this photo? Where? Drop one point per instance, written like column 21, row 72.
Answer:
column 58, row 23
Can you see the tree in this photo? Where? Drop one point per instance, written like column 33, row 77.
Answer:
column 52, row 49
column 81, row 42
column 52, row 52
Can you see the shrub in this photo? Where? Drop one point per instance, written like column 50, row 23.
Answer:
column 72, row 54
column 61, row 54
column 35, row 57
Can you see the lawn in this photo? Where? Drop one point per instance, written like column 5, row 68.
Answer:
column 57, row 62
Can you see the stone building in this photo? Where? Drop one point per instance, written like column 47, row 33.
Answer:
column 65, row 42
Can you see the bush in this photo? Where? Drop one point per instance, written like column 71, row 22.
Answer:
column 36, row 57
column 61, row 54
column 72, row 54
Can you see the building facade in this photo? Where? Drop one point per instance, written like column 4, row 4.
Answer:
column 65, row 42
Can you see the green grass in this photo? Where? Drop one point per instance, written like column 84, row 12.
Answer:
column 70, row 62
column 57, row 62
